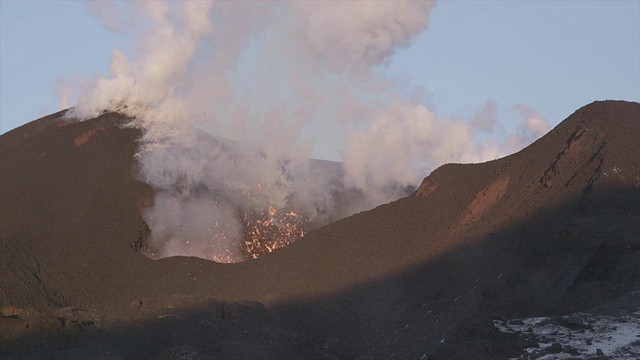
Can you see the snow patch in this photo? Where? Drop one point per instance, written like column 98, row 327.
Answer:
column 582, row 335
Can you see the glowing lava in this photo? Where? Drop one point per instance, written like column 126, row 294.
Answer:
column 265, row 231
column 208, row 226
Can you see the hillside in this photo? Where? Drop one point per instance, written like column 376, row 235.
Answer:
column 551, row 230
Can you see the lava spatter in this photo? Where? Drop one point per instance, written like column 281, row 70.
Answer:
column 266, row 231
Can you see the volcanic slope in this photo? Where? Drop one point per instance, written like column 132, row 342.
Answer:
column 553, row 229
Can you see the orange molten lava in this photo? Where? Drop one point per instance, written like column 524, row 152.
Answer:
column 263, row 232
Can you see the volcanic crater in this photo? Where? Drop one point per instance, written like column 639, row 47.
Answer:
column 451, row 271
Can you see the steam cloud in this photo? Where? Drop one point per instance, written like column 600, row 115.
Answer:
column 276, row 83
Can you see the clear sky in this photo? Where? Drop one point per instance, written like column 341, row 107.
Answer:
column 553, row 56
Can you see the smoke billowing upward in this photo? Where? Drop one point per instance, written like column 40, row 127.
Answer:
column 276, row 83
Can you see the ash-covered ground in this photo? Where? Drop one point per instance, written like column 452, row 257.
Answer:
column 534, row 255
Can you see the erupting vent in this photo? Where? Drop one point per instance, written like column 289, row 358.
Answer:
column 266, row 231
column 190, row 229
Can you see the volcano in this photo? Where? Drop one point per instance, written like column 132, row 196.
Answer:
column 451, row 271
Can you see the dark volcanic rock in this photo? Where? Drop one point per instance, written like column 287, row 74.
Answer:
column 551, row 230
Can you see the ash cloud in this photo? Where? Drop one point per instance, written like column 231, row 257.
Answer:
column 533, row 127
column 234, row 98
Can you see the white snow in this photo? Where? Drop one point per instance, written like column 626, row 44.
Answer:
column 615, row 336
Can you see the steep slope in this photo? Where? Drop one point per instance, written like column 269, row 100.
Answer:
column 68, row 193
column 552, row 229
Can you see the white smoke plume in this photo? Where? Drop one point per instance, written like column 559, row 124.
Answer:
column 402, row 141
column 534, row 126
column 64, row 93
column 235, row 97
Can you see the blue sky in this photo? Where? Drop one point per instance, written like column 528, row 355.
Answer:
column 553, row 56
